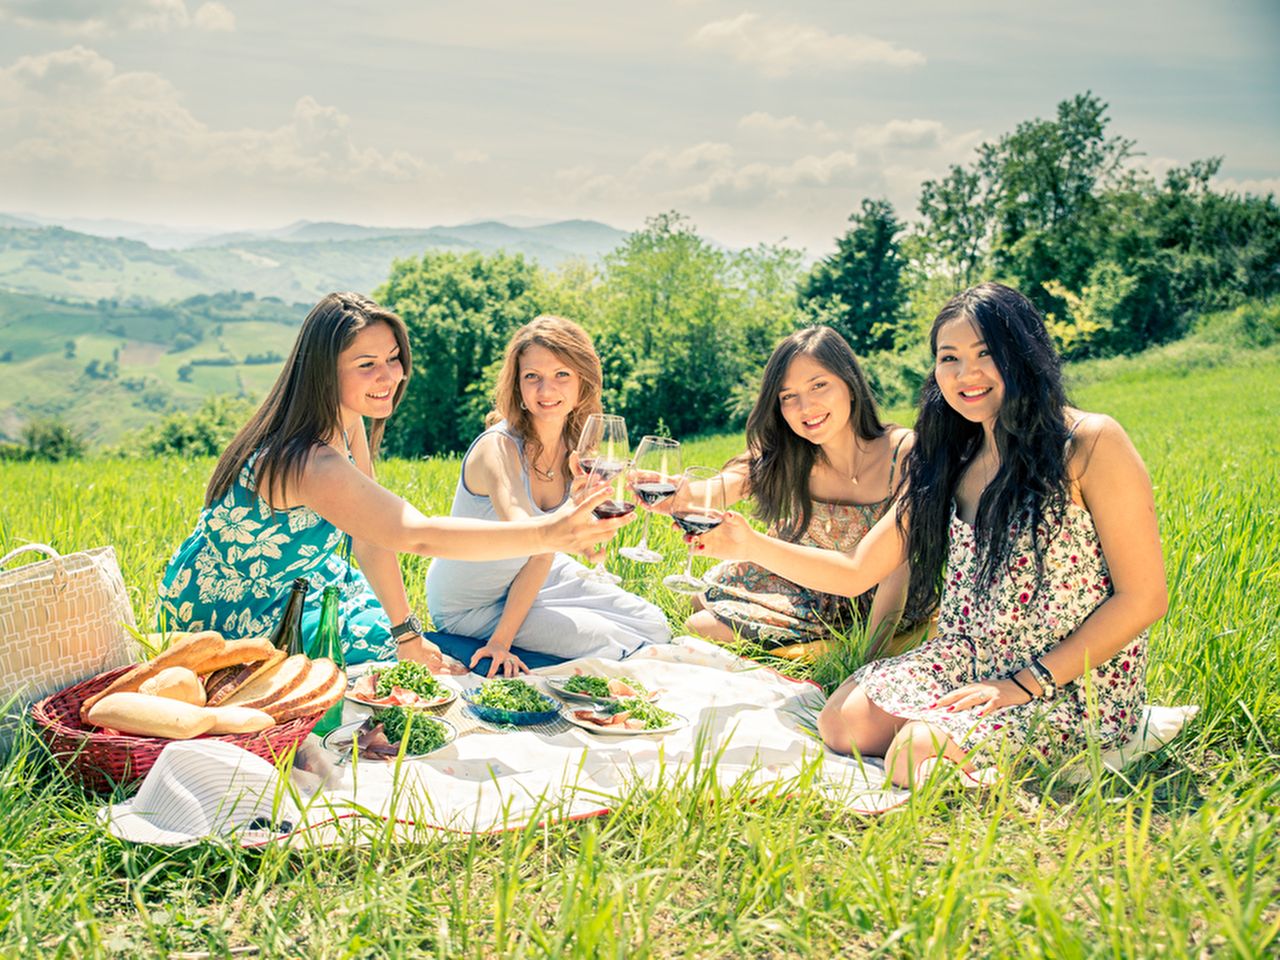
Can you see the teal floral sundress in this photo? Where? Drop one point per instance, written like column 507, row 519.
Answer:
column 235, row 571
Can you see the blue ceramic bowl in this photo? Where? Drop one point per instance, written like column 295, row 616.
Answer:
column 518, row 718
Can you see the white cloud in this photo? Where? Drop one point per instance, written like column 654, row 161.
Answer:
column 215, row 18
column 470, row 155
column 92, row 17
column 767, row 125
column 904, row 134
column 1259, row 186
column 777, row 48
column 71, row 117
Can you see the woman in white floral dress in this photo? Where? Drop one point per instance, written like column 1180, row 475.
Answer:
column 294, row 495
column 1035, row 524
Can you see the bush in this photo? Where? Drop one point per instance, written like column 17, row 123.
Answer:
column 52, row 440
column 201, row 433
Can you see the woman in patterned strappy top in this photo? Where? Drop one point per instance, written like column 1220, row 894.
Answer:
column 1035, row 523
column 822, row 468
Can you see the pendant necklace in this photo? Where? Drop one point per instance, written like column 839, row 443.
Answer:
column 546, row 474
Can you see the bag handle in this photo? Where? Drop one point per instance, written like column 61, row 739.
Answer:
column 59, row 568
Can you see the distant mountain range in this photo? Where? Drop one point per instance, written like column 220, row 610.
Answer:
column 107, row 259
column 111, row 325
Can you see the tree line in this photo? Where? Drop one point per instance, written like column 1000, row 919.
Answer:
column 1060, row 208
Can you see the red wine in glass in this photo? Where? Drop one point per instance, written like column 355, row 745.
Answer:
column 695, row 523
column 654, row 493
column 609, row 509
column 697, row 507
column 653, row 480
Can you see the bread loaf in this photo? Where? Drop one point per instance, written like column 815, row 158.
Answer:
column 146, row 716
column 187, row 652
column 271, row 685
column 176, row 683
column 236, row 652
column 239, row 720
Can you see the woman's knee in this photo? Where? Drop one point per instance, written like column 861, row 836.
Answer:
column 850, row 722
column 704, row 623
column 914, row 743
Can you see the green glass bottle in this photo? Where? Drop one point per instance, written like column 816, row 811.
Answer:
column 288, row 635
column 328, row 643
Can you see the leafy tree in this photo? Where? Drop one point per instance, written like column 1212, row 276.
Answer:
column 859, row 288
column 53, row 440
column 200, row 433
column 955, row 230
column 461, row 309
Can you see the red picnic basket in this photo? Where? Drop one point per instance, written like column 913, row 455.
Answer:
column 102, row 761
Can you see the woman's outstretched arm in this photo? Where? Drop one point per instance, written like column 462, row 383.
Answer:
column 354, row 503
column 877, row 555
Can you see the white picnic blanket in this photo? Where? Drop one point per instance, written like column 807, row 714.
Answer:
column 748, row 727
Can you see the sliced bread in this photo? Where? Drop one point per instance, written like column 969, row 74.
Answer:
column 318, row 679
column 319, row 703
column 234, row 652
column 270, row 685
column 221, row 684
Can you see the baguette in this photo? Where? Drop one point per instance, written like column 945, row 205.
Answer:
column 318, row 679
column 235, row 652
column 190, row 650
column 227, row 681
column 239, row 720
column 143, row 715
column 271, row 685
column 317, row 704
column 176, row 683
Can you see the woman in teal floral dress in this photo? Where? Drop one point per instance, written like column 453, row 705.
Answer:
column 294, row 495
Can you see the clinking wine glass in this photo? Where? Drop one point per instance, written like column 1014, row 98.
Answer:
column 697, row 506
column 653, row 478
column 603, row 452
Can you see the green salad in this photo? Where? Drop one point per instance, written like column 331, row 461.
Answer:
column 508, row 693
column 409, row 676
column 655, row 718
column 425, row 733
column 598, row 686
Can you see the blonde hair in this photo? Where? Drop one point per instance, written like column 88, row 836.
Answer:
column 572, row 347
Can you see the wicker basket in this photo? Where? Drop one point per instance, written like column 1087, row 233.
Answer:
column 102, row 761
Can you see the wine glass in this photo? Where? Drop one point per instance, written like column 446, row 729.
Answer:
column 697, row 506
column 653, row 475
column 603, row 453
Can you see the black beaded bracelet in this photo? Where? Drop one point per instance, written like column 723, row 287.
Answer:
column 1021, row 686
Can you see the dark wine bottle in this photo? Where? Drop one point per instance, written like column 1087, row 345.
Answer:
column 288, row 635
column 328, row 643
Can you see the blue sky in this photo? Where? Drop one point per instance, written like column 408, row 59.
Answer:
column 762, row 123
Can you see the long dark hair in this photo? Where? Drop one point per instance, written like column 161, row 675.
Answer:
column 572, row 347
column 1029, row 492
column 303, row 407
column 780, row 461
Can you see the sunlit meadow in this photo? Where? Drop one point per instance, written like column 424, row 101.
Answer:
column 1179, row 856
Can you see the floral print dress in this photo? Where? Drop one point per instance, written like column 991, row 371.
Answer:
column 775, row 612
column 235, row 571
column 989, row 632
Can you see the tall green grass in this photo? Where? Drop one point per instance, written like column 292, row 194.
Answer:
column 1178, row 857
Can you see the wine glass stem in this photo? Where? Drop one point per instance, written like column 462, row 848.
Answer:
column 644, row 534
column 688, row 563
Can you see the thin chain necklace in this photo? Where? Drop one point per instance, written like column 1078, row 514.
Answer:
column 551, row 473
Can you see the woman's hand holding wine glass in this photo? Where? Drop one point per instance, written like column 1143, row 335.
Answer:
column 697, row 507
column 729, row 540
column 604, row 453
column 653, row 480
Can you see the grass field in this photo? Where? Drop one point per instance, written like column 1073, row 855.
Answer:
column 1177, row 857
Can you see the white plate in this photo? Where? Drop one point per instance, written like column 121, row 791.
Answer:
column 448, row 696
column 619, row 730
column 556, row 686
column 339, row 741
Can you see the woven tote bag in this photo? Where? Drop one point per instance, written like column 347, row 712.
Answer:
column 61, row 620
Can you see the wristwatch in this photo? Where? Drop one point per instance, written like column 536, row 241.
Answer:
column 1048, row 687
column 410, row 628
